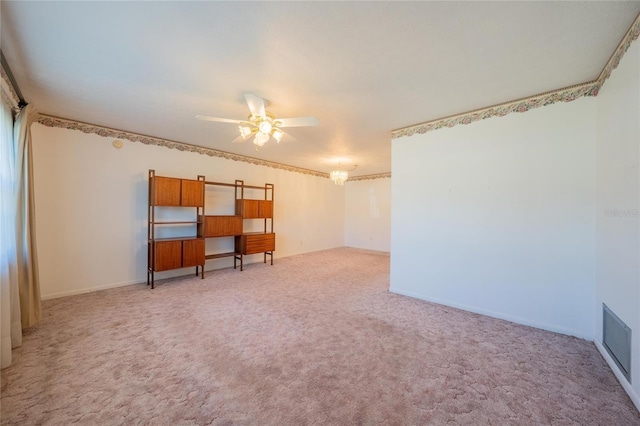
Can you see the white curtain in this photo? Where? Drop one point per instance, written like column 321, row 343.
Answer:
column 27, row 258
column 10, row 323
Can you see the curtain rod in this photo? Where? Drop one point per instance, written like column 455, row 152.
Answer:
column 12, row 80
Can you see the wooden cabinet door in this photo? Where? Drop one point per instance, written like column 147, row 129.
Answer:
column 266, row 208
column 165, row 191
column 193, row 252
column 233, row 225
column 167, row 255
column 255, row 209
column 249, row 209
column 192, row 193
column 222, row 226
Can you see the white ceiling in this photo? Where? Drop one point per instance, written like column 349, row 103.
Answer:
column 362, row 68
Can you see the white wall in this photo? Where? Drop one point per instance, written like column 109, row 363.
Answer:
column 91, row 208
column 368, row 214
column 497, row 217
column 618, row 192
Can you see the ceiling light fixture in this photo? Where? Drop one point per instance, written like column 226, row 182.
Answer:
column 262, row 127
column 261, row 138
column 262, row 124
column 277, row 134
column 245, row 131
column 339, row 177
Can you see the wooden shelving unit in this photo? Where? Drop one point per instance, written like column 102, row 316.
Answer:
column 217, row 226
column 190, row 250
column 255, row 242
column 164, row 254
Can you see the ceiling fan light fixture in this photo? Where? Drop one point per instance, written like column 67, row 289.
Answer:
column 261, row 139
column 260, row 125
column 245, row 131
column 265, row 127
column 277, row 134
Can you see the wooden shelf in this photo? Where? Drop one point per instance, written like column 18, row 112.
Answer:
column 176, row 223
column 189, row 238
column 221, row 255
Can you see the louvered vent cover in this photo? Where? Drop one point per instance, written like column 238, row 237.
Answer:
column 616, row 337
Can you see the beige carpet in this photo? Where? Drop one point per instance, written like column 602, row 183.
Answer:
column 313, row 339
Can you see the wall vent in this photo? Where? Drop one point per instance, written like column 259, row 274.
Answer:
column 616, row 338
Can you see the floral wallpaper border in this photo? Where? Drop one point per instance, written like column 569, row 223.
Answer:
column 369, row 177
column 566, row 94
column 51, row 121
column 631, row 36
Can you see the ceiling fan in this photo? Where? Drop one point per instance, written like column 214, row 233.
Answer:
column 261, row 124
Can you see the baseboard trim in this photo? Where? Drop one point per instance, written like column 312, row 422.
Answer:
column 175, row 273
column 88, row 290
column 623, row 381
column 498, row 315
column 214, row 265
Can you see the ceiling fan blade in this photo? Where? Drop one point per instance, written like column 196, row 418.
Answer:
column 287, row 138
column 218, row 119
column 256, row 105
column 298, row 121
column 240, row 139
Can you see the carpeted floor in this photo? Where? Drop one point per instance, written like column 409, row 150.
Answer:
column 313, row 339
